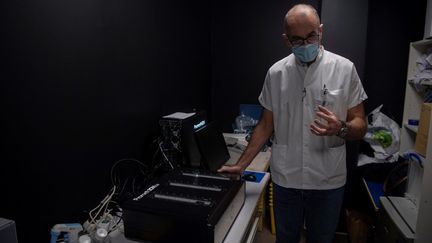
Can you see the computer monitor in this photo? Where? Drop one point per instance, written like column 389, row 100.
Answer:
column 211, row 144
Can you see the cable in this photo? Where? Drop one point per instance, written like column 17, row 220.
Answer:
column 101, row 205
column 163, row 153
column 124, row 186
column 120, row 182
column 117, row 224
column 155, row 141
column 133, row 185
column 120, row 161
column 102, row 213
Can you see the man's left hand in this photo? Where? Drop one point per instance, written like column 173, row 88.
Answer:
column 328, row 125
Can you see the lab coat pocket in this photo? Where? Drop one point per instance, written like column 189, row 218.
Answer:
column 331, row 99
column 334, row 142
column 336, row 168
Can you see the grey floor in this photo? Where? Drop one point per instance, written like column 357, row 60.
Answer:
column 265, row 236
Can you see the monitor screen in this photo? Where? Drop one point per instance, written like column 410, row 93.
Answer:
column 211, row 144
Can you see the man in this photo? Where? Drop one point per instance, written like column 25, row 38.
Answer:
column 313, row 101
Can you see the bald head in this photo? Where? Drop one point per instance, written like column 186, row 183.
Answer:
column 301, row 16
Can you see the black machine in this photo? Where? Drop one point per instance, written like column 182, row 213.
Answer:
column 194, row 142
column 212, row 146
column 179, row 140
column 191, row 203
column 185, row 205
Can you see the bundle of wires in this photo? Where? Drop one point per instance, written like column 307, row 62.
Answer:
column 128, row 177
column 107, row 215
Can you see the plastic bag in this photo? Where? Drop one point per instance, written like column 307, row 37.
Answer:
column 383, row 134
column 244, row 124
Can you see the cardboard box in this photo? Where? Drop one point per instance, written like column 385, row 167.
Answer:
column 423, row 129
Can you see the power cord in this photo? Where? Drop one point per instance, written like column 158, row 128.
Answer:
column 164, row 155
column 127, row 176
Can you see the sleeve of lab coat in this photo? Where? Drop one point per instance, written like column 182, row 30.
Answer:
column 265, row 97
column 356, row 94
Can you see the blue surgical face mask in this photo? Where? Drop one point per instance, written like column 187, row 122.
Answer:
column 306, row 53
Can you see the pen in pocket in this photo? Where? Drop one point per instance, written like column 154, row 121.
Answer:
column 324, row 95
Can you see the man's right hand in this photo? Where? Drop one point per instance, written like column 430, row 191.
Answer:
column 261, row 133
column 234, row 169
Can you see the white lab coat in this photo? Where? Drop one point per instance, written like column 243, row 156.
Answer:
column 292, row 92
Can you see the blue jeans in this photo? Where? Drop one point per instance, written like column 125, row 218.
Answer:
column 318, row 209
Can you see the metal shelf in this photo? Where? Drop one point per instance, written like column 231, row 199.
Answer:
column 426, row 82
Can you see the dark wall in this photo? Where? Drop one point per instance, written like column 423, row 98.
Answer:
column 82, row 85
column 391, row 28
column 345, row 29
column 246, row 41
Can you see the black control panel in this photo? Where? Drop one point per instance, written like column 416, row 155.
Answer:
column 193, row 205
